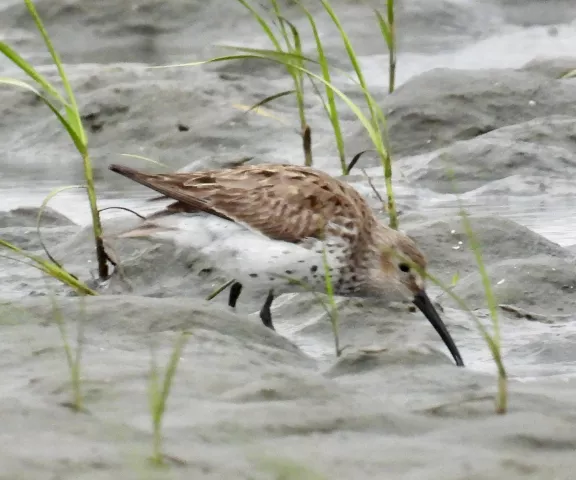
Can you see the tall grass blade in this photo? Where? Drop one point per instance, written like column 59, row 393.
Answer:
column 294, row 46
column 71, row 105
column 159, row 391
column 491, row 340
column 29, row 70
column 298, row 77
column 66, row 124
column 351, row 53
column 501, row 403
column 331, row 108
column 387, row 29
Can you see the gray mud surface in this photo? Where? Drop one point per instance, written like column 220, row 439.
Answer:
column 480, row 111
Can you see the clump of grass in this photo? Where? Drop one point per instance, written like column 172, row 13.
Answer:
column 158, row 392
column 70, row 119
column 73, row 358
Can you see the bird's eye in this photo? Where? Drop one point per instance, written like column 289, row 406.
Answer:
column 404, row 267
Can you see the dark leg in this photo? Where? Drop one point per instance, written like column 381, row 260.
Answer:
column 235, row 290
column 265, row 313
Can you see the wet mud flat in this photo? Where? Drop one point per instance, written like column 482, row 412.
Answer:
column 249, row 403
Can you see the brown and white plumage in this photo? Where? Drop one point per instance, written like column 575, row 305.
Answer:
column 276, row 221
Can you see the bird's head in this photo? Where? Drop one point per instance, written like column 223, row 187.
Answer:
column 399, row 272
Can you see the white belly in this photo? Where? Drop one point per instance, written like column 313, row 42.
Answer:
column 250, row 257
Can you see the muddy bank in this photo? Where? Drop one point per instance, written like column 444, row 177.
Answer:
column 249, row 404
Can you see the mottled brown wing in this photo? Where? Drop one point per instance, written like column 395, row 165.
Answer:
column 284, row 202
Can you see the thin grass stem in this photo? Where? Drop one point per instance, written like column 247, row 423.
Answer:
column 158, row 393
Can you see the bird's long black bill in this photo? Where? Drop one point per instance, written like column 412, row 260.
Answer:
column 422, row 301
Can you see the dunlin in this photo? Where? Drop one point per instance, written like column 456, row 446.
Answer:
column 278, row 226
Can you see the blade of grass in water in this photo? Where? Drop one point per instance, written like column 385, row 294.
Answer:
column 570, row 74
column 501, row 403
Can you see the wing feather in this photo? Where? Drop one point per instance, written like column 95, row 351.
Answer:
column 283, row 202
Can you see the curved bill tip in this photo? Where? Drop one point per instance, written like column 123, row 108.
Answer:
column 422, row 301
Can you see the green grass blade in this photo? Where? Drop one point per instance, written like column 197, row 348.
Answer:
column 263, row 24
column 51, row 269
column 78, row 134
column 71, row 105
column 69, row 128
column 31, row 72
column 387, row 28
column 331, row 100
column 159, row 391
column 173, row 366
column 23, row 262
column 220, row 289
column 278, row 13
column 298, row 77
column 384, row 28
column 486, row 283
column 570, row 74
column 73, row 359
column 271, row 98
column 350, row 51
